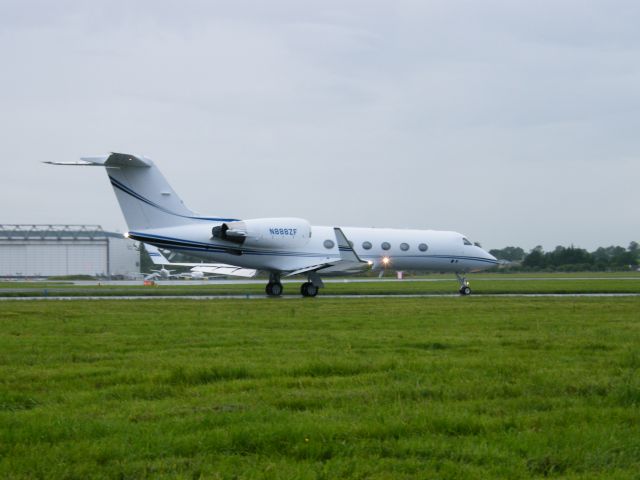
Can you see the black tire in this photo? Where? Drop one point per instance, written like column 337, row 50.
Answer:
column 274, row 289
column 308, row 289
column 465, row 291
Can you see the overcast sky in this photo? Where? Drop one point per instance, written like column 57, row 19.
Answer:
column 516, row 123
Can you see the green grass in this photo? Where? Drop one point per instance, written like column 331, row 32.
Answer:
column 328, row 388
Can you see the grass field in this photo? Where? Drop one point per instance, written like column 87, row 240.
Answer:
column 325, row 388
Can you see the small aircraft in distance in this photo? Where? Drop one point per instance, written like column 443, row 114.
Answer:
column 284, row 246
column 162, row 274
column 199, row 271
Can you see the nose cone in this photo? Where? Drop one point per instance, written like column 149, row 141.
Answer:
column 485, row 259
column 490, row 257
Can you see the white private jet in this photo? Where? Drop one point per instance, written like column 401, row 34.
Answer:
column 199, row 271
column 281, row 246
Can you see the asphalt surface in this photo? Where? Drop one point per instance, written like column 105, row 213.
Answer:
column 289, row 297
column 214, row 281
column 53, row 292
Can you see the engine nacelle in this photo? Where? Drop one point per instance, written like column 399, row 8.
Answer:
column 266, row 232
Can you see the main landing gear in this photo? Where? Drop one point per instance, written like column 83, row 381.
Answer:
column 274, row 287
column 309, row 288
column 464, row 285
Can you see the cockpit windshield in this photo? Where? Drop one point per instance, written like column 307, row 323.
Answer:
column 466, row 241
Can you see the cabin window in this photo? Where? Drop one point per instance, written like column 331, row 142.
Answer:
column 404, row 247
column 423, row 247
column 366, row 245
column 328, row 244
column 466, row 241
column 385, row 245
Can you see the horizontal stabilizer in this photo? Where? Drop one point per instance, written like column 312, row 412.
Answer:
column 81, row 163
column 114, row 160
column 126, row 160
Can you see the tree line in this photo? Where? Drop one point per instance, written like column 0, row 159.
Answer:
column 570, row 258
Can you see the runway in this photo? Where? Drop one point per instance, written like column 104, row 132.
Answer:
column 319, row 297
column 239, row 281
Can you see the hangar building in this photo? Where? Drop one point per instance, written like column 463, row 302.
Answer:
column 53, row 250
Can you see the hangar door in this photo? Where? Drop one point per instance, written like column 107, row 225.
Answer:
column 49, row 258
column 13, row 259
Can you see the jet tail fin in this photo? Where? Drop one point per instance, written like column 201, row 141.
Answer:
column 146, row 199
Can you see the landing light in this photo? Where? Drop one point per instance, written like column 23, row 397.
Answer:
column 385, row 261
column 125, row 234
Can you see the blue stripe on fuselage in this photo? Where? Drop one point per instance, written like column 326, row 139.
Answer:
column 137, row 196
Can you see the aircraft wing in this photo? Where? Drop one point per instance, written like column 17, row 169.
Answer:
column 222, row 269
column 334, row 267
column 210, row 268
column 348, row 263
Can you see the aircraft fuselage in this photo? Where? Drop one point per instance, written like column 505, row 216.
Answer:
column 399, row 249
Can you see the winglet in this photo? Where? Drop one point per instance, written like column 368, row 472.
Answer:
column 349, row 261
column 346, row 250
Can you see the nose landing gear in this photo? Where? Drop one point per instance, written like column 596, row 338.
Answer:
column 464, row 285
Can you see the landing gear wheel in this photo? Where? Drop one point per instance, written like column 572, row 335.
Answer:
column 464, row 285
column 308, row 289
column 465, row 291
column 274, row 289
